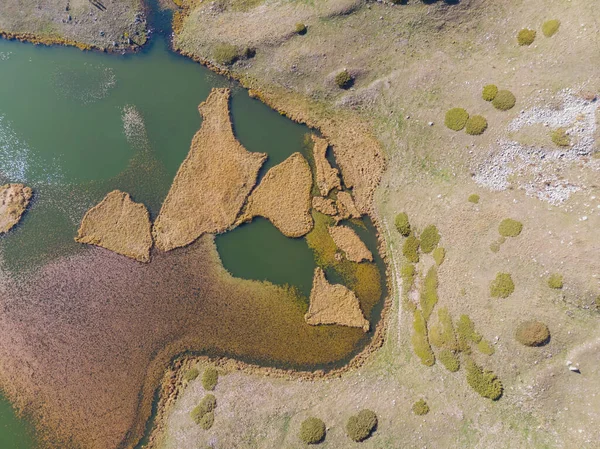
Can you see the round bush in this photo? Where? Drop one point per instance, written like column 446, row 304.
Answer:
column 410, row 249
column 489, row 92
column 360, row 427
column 207, row 421
column 301, row 28
column 526, row 36
column 476, row 125
column 456, row 119
column 210, row 378
column 502, row 286
column 420, row 407
column 532, row 333
column 510, row 228
column 504, row 100
column 473, row 198
column 402, row 224
column 550, row 27
column 430, row 238
column 344, row 80
column 312, row 430
column 555, row 281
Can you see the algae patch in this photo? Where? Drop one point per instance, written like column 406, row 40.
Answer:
column 14, row 199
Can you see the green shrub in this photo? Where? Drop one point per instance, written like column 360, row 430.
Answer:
column 510, row 228
column 206, row 405
column 560, row 137
column 441, row 333
column 191, row 374
column 429, row 296
column 402, row 224
column 489, row 92
column 410, row 248
column 466, row 331
column 550, row 27
column 430, row 237
column 555, row 281
column 225, row 54
column 312, row 430
column 526, row 37
column 419, row 340
column 504, row 100
column 210, row 378
column 503, row 286
column 449, row 360
column 344, row 80
column 207, row 421
column 476, row 125
column 407, row 272
column 486, row 383
column 360, row 427
column 474, row 198
column 420, row 407
column 532, row 333
column 456, row 119
column 301, row 28
column 439, row 254
column 485, row 347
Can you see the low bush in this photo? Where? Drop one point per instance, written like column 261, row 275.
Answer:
column 476, row 125
column 503, row 286
column 312, row 430
column 419, row 340
column 456, row 119
column 560, row 137
column 485, row 347
column 510, row 228
column 441, row 333
column 555, row 281
column 550, row 27
column 361, row 426
column 489, row 92
column 474, row 198
column 207, row 421
column 429, row 296
column 301, row 29
column 210, row 378
column 449, row 360
column 402, row 224
column 430, row 238
column 225, row 54
column 504, row 100
column 191, row 374
column 410, row 248
column 344, row 80
column 206, row 405
column 484, row 382
column 532, row 333
column 526, row 36
column 439, row 254
column 420, row 407
column 466, row 333
column 407, row 273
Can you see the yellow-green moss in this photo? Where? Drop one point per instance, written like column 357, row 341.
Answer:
column 476, row 125
column 407, row 273
column 419, row 340
column 473, row 198
column 550, row 27
column 420, row 407
column 449, row 360
column 430, row 238
column 429, row 296
column 439, row 255
column 410, row 248
column 504, row 100
column 489, row 92
column 503, row 286
column 485, row 347
column 402, row 224
column 560, row 137
column 359, row 427
column 312, row 430
column 456, row 119
column 510, row 228
column 555, row 281
column 484, row 382
column 526, row 36
column 210, row 377
column 191, row 374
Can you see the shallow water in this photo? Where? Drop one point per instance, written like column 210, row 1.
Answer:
column 75, row 125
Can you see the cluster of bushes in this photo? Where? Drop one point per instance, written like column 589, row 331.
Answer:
column 526, row 36
column 532, row 333
column 501, row 99
column 503, row 286
column 358, row 428
column 458, row 118
column 203, row 414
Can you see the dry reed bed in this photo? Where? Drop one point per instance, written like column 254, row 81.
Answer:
column 324, row 205
column 350, row 243
column 14, row 199
column 327, row 177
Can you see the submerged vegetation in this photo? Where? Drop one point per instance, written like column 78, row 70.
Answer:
column 360, row 427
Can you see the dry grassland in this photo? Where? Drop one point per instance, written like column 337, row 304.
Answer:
column 14, row 199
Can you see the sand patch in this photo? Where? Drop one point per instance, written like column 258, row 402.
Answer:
column 212, row 183
column 327, row 177
column 283, row 197
column 324, row 205
column 14, row 199
column 118, row 224
column 346, row 207
column 333, row 304
column 350, row 243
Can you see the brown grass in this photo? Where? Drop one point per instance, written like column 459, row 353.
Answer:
column 283, row 197
column 118, row 224
column 14, row 199
column 212, row 183
column 333, row 304
column 350, row 243
column 327, row 177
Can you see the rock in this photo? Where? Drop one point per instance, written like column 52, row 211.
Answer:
column 14, row 199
